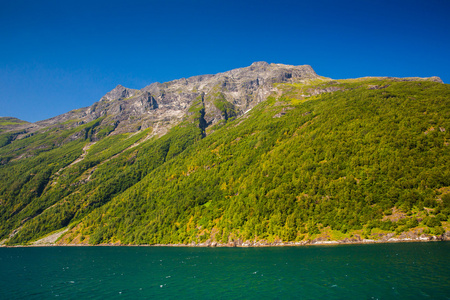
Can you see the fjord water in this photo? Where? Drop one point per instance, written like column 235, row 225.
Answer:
column 379, row 271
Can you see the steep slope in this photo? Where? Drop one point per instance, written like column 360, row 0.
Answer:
column 360, row 160
column 8, row 124
column 208, row 158
column 77, row 161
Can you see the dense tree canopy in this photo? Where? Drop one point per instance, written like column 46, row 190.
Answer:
column 333, row 159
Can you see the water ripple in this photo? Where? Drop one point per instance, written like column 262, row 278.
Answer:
column 390, row 271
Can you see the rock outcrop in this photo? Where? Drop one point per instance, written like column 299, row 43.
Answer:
column 118, row 93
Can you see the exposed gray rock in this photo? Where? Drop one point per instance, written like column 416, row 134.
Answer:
column 242, row 88
column 432, row 78
column 162, row 105
column 315, row 92
column 119, row 92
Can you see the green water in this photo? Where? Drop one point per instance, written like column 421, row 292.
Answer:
column 382, row 271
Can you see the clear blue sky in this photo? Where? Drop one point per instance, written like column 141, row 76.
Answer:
column 56, row 56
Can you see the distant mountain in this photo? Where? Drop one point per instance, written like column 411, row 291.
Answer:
column 8, row 123
column 266, row 154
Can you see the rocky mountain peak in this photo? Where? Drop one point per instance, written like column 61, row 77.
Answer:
column 162, row 105
column 118, row 93
column 238, row 90
column 259, row 65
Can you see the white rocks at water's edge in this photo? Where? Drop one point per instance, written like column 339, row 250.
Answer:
column 51, row 241
column 388, row 238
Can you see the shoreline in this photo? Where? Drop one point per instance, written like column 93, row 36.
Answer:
column 259, row 244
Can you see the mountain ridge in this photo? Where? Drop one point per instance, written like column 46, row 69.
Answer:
column 244, row 87
column 120, row 92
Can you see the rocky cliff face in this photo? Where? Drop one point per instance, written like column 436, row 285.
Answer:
column 223, row 95
column 162, row 105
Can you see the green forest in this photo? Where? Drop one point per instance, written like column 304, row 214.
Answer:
column 329, row 159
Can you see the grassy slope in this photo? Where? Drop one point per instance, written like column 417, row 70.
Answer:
column 8, row 124
column 8, row 121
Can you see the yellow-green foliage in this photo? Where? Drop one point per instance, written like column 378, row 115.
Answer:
column 338, row 160
column 335, row 165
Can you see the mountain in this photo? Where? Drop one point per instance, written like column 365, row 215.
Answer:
column 265, row 154
column 161, row 105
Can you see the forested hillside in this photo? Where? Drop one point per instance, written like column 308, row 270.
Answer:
column 330, row 159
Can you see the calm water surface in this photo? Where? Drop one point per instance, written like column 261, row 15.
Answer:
column 382, row 271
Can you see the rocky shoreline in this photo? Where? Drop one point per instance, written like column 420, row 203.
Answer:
column 388, row 238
